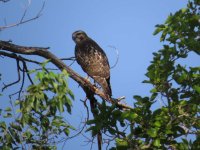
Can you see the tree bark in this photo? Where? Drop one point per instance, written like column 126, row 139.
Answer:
column 43, row 52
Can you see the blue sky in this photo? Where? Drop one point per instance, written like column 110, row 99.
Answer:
column 125, row 24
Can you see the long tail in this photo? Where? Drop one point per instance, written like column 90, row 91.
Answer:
column 109, row 86
column 105, row 84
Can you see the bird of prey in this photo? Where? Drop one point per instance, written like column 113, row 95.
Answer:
column 93, row 60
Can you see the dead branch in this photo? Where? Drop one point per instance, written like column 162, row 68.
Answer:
column 23, row 70
column 13, row 55
column 17, row 81
column 70, row 58
column 82, row 128
column 43, row 52
column 22, row 84
column 22, row 20
column 27, row 72
column 23, row 60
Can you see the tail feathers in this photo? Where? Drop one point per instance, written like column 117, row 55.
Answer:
column 105, row 84
column 109, row 86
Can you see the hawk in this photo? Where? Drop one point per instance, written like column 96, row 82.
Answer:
column 93, row 60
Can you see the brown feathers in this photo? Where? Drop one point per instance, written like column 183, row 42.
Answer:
column 93, row 60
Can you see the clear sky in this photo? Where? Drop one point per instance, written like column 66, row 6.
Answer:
column 125, row 24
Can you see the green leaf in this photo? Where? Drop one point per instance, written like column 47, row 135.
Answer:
column 15, row 126
column 197, row 88
column 66, row 131
column 183, row 10
column 137, row 97
column 68, row 103
column 146, row 81
column 94, row 130
column 45, row 63
column 71, row 94
column 9, row 138
column 27, row 134
column 55, row 86
column 157, row 124
column 153, row 96
column 158, row 29
column 31, row 71
column 7, row 115
column 60, row 105
column 89, row 122
column 112, row 131
column 8, row 109
column 154, row 90
column 121, row 144
column 152, row 132
column 156, row 142
column 3, row 125
column 129, row 115
column 64, row 71
column 17, row 102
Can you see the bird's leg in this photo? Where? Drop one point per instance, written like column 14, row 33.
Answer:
column 87, row 78
column 96, row 84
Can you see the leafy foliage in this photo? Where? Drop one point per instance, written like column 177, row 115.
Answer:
column 38, row 119
column 176, row 124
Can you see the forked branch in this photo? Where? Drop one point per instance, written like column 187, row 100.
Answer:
column 43, row 52
column 22, row 20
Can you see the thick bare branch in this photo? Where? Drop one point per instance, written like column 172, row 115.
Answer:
column 43, row 52
column 13, row 55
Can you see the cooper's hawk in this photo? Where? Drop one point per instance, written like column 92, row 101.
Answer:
column 93, row 60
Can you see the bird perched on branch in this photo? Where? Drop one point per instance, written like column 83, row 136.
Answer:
column 93, row 60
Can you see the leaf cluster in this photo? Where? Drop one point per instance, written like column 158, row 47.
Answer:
column 175, row 123
column 38, row 119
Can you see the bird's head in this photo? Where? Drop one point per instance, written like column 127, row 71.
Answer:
column 79, row 36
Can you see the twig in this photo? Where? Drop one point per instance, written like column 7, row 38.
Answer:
column 22, row 21
column 70, row 58
column 13, row 55
column 22, row 84
column 71, row 63
column 24, row 14
column 39, row 69
column 27, row 72
column 117, row 52
column 24, row 70
column 87, row 109
column 89, row 88
column 89, row 141
column 82, row 128
column 15, row 82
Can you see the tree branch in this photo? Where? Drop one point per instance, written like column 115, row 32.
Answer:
column 43, row 52
column 22, row 20
column 18, row 79
column 24, row 70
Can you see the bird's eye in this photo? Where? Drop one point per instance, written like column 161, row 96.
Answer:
column 78, row 34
